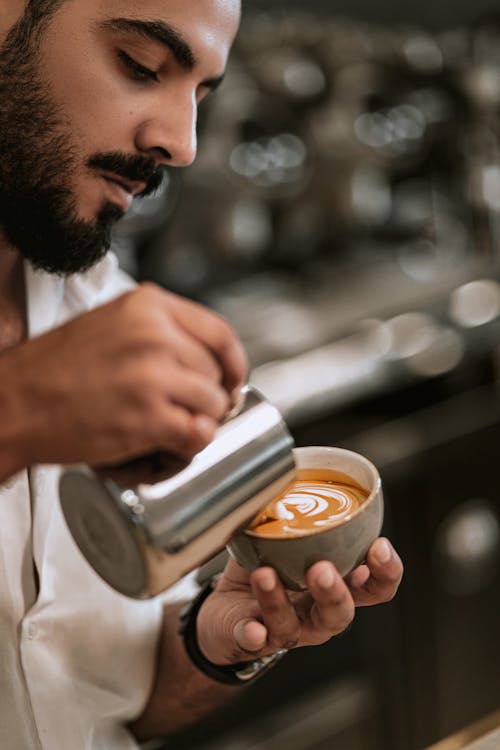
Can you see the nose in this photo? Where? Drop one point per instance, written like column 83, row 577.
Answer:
column 169, row 135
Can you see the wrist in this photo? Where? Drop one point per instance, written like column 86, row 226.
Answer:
column 241, row 673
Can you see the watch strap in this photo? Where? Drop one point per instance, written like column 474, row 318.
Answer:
column 242, row 673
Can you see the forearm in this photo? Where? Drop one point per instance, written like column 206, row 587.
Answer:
column 182, row 694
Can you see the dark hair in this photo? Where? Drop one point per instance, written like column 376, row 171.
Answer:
column 40, row 9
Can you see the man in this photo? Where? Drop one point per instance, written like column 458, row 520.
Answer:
column 95, row 96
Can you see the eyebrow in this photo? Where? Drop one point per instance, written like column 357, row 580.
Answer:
column 167, row 36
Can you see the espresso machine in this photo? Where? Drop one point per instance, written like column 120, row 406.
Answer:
column 343, row 214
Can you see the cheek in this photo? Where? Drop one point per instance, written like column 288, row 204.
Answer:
column 97, row 111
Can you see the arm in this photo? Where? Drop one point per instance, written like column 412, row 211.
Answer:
column 181, row 694
column 249, row 616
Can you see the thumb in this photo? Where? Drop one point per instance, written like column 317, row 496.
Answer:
column 227, row 631
column 250, row 635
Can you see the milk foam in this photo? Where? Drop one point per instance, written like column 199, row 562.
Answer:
column 308, row 505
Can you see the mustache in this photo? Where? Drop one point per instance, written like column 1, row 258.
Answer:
column 133, row 168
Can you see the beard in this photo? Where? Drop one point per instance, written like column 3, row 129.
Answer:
column 38, row 210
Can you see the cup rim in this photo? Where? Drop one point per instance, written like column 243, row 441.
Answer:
column 357, row 512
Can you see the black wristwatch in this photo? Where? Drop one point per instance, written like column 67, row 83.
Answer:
column 242, row 673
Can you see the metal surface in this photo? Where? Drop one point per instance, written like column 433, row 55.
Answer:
column 143, row 539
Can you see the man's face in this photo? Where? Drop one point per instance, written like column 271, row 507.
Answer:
column 91, row 108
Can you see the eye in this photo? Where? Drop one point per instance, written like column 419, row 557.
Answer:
column 137, row 71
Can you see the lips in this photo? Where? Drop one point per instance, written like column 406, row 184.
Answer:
column 122, row 191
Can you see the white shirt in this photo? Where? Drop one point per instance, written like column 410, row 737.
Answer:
column 76, row 658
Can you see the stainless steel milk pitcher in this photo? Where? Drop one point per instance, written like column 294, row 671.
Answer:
column 143, row 539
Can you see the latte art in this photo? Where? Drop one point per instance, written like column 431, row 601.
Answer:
column 309, row 505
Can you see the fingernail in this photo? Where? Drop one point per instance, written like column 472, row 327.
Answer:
column 383, row 552
column 267, row 582
column 241, row 637
column 326, row 578
column 237, row 398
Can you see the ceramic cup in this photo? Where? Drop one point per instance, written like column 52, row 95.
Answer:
column 345, row 545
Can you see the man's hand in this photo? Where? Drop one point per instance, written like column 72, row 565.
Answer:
column 249, row 616
column 147, row 372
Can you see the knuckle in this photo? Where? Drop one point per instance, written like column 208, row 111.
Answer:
column 283, row 631
column 337, row 619
column 285, row 640
column 383, row 593
column 291, row 638
column 345, row 621
column 337, row 601
column 175, row 422
column 274, row 612
column 388, row 596
column 209, row 368
column 348, row 619
column 203, row 434
column 146, row 301
column 137, row 297
column 151, row 382
column 221, row 331
column 148, row 289
column 137, row 313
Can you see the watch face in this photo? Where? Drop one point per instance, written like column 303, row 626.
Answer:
column 259, row 666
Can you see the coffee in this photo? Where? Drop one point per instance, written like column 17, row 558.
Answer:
column 335, row 519
column 318, row 499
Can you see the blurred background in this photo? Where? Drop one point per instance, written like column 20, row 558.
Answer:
column 344, row 215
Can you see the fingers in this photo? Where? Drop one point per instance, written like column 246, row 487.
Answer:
column 324, row 611
column 333, row 608
column 194, row 356
column 215, row 333
column 358, row 577
column 183, row 433
column 250, row 635
column 196, row 394
column 194, row 410
column 378, row 580
column 254, row 614
column 279, row 616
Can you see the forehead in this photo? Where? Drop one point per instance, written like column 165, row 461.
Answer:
column 210, row 18
column 206, row 27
